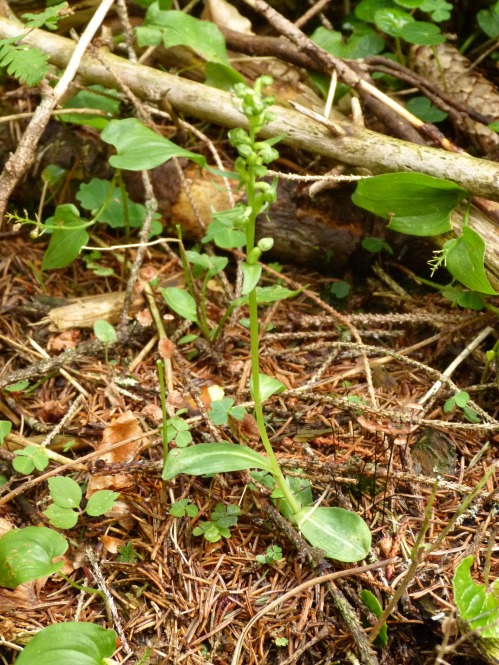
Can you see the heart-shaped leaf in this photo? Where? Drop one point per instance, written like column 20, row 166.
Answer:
column 415, row 204
column 465, row 261
column 27, row 554
column 139, row 148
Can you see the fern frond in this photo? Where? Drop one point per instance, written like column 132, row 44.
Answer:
column 27, row 64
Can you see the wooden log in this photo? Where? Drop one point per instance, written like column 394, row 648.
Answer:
column 356, row 146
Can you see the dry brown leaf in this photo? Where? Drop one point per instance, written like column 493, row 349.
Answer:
column 126, row 428
column 22, row 597
column 112, row 544
column 153, row 412
column 66, row 340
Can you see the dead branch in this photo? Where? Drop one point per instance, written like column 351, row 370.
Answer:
column 357, row 145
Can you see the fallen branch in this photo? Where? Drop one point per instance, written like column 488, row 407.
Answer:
column 356, row 145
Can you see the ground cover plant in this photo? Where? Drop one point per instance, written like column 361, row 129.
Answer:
column 220, row 458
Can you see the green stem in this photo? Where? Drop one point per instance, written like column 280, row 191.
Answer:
column 161, row 376
column 255, row 344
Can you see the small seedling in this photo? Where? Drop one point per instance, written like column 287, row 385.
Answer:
column 272, row 555
column 460, row 400
column 177, row 430
column 105, row 332
column 30, row 458
column 183, row 508
column 221, row 519
column 67, row 495
column 372, row 603
column 222, row 409
column 128, row 554
column 281, row 641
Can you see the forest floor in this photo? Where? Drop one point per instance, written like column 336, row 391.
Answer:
column 181, row 598
column 364, row 354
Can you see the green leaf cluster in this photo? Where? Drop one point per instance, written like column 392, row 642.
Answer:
column 223, row 409
column 29, row 65
column 221, row 520
column 271, row 556
column 66, row 495
column 183, row 508
column 30, row 458
column 460, row 400
column 421, row 205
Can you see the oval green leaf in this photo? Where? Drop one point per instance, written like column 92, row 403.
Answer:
column 391, row 21
column 139, row 148
column 100, row 502
column 342, row 534
column 72, row 643
column 65, row 492
column 66, row 242
column 208, row 458
column 268, row 387
column 415, row 204
column 27, row 554
column 465, row 261
column 181, row 302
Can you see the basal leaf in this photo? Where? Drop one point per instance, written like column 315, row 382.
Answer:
column 139, row 148
column 27, row 554
column 208, row 458
column 69, row 643
column 302, row 491
column 181, row 302
column 342, row 534
column 415, row 203
column 465, row 261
